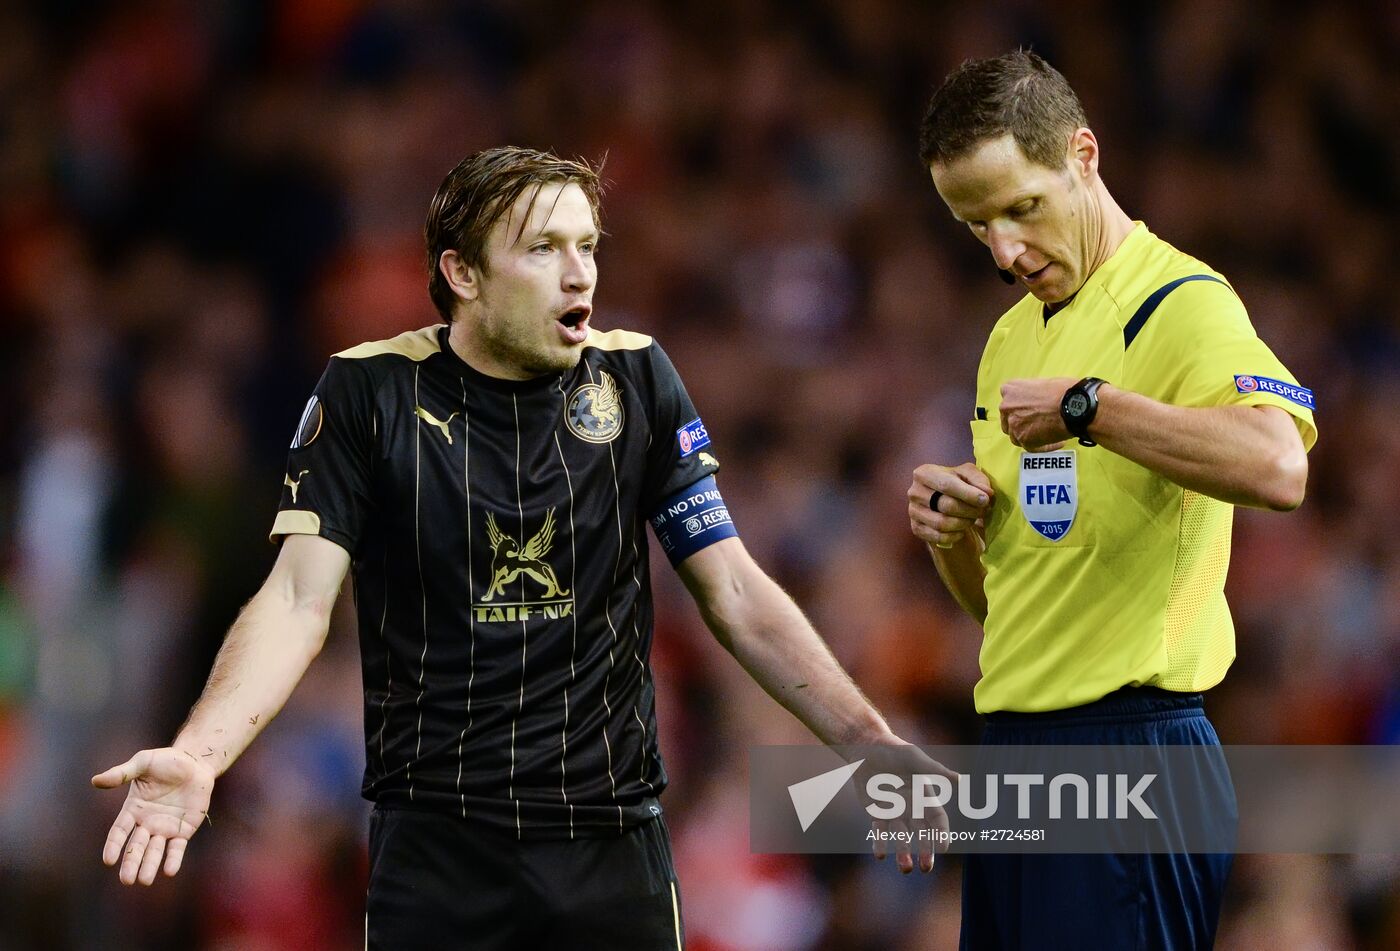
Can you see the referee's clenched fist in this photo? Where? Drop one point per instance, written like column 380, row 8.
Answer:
column 944, row 502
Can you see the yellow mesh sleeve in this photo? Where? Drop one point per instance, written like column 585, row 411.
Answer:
column 1200, row 637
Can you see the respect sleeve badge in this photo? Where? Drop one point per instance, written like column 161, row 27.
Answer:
column 1248, row 383
column 692, row 437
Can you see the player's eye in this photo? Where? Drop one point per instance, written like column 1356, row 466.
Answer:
column 541, row 247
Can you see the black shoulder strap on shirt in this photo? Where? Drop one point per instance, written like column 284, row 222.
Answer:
column 1134, row 326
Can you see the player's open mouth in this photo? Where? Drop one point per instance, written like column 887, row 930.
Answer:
column 573, row 324
column 1035, row 275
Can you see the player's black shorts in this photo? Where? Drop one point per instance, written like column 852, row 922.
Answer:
column 440, row 883
column 1125, row 902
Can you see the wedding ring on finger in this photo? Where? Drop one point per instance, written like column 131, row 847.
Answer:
column 933, row 506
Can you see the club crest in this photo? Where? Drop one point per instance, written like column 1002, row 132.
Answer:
column 594, row 412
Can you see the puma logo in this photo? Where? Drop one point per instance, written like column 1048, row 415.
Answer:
column 428, row 418
column 287, row 481
column 709, row 460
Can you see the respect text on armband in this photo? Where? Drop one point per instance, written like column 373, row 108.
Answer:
column 692, row 519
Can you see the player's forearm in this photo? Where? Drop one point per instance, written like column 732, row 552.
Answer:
column 264, row 656
column 961, row 569
column 772, row 640
column 1244, row 455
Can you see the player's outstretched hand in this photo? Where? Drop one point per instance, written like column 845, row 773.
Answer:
column 167, row 802
column 960, row 495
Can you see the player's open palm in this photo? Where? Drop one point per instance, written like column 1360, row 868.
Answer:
column 167, row 802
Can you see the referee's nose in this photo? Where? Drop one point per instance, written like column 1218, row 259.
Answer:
column 1006, row 248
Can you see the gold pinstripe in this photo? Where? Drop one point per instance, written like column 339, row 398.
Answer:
column 422, row 580
column 607, row 616
column 388, row 668
column 573, row 648
column 636, row 634
column 471, row 586
column 676, row 916
column 524, row 630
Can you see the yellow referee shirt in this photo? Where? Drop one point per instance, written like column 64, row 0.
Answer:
column 1100, row 573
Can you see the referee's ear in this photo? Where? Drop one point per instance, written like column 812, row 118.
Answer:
column 464, row 280
column 1084, row 152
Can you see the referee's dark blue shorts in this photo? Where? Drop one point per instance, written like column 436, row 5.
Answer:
column 1127, row 902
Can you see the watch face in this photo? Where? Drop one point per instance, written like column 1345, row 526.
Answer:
column 1077, row 404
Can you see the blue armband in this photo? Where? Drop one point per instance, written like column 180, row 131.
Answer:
column 692, row 519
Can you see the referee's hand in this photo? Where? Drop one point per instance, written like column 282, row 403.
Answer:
column 963, row 495
column 167, row 802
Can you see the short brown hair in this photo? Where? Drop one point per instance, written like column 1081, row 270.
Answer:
column 1017, row 93
column 483, row 187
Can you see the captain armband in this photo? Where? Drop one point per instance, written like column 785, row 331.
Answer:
column 692, row 519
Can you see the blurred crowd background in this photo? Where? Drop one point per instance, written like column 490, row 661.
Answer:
column 200, row 201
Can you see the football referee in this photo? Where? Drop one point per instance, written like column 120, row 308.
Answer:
column 1123, row 407
column 489, row 482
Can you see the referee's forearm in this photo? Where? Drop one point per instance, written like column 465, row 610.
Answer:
column 960, row 568
column 1244, row 455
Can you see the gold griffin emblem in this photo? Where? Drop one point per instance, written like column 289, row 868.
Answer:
column 509, row 560
column 607, row 402
column 287, row 481
column 594, row 412
column 431, row 420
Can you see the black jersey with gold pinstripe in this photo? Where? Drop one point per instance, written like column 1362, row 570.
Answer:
column 497, row 532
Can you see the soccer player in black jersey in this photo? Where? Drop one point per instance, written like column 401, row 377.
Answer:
column 489, row 483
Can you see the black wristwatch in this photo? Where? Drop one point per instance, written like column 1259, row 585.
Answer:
column 1080, row 406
